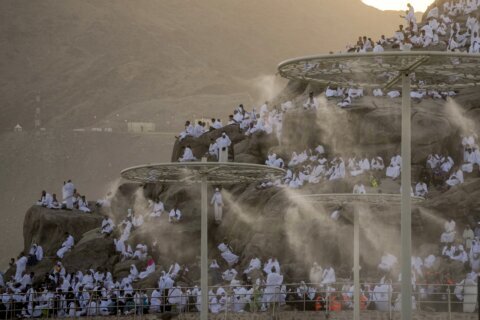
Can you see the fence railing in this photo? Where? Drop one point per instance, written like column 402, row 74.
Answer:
column 233, row 299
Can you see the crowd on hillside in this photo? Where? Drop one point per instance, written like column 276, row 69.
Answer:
column 72, row 199
column 444, row 26
column 313, row 166
column 257, row 287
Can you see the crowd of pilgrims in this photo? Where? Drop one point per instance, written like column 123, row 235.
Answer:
column 255, row 288
column 313, row 166
column 265, row 120
column 443, row 26
column 97, row 292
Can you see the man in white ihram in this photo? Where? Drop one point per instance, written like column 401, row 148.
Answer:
column 67, row 190
column 272, row 290
column 217, row 202
column 223, row 143
column 66, row 245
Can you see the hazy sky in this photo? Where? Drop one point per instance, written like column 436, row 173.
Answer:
column 419, row 5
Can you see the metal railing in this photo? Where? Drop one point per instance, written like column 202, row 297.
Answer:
column 232, row 299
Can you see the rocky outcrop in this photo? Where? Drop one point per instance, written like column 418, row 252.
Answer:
column 47, row 227
column 200, row 145
column 93, row 251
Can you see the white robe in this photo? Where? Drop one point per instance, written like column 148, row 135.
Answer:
column 359, row 189
column 174, row 215
column 456, row 178
column 388, row 262
column 449, row 235
column 66, row 246
column 394, row 94
column 229, row 275
column 83, row 206
column 393, row 171
column 329, row 276
column 21, row 265
column 67, row 192
column 39, row 253
column 255, row 264
column 156, row 299
column 316, row 274
column 377, row 163
column 421, row 189
column 227, row 254
column 217, row 202
column 158, row 209
column 149, row 270
column 187, row 155
column 268, row 267
column 107, row 226
column 223, row 143
column 272, row 290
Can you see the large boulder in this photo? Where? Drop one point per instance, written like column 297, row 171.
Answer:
column 47, row 227
column 94, row 250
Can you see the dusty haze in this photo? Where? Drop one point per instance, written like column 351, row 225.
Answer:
column 98, row 63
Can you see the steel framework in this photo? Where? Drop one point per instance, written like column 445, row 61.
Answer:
column 204, row 173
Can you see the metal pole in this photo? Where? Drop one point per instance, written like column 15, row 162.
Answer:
column 356, row 263
column 204, row 248
column 449, row 304
column 478, row 297
column 406, row 212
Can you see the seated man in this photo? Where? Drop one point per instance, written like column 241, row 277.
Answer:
column 149, row 270
column 175, row 215
column 394, row 94
column 35, row 254
column 359, row 189
column 187, row 132
column 187, row 155
column 394, row 169
column 157, row 209
column 83, row 205
column 45, row 199
column 449, row 235
column 456, row 178
column 421, row 189
column 55, row 204
column 107, row 226
column 377, row 164
column 346, row 102
column 141, row 251
column 66, row 245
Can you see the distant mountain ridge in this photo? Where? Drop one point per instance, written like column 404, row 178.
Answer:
column 81, row 61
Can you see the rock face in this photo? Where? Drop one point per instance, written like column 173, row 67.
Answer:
column 48, row 227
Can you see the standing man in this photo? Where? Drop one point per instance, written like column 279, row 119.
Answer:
column 217, row 202
column 67, row 190
column 223, row 143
